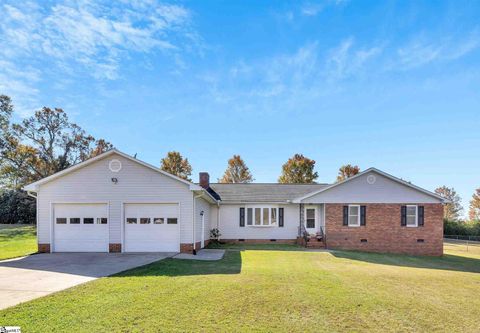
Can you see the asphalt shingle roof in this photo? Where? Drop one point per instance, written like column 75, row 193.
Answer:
column 256, row 192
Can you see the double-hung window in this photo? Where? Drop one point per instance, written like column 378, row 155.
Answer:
column 354, row 215
column 412, row 216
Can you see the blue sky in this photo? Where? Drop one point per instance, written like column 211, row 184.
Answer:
column 390, row 84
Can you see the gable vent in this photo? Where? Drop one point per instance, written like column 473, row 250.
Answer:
column 115, row 165
column 371, row 179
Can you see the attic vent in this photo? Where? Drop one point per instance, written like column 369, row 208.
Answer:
column 115, row 165
column 371, row 179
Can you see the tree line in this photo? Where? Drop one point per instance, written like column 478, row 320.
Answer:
column 48, row 142
column 34, row 148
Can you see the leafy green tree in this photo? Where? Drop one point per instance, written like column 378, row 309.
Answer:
column 298, row 169
column 237, row 171
column 6, row 111
column 176, row 165
column 41, row 145
column 347, row 171
column 474, row 210
column 452, row 210
column 17, row 207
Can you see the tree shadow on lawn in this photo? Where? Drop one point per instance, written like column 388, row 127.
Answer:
column 446, row 262
column 230, row 264
column 254, row 247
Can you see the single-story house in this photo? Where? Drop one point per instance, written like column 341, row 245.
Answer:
column 117, row 203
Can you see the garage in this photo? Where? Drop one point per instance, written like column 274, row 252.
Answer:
column 80, row 227
column 151, row 227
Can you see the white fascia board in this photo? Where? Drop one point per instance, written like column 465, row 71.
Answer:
column 33, row 187
column 395, row 179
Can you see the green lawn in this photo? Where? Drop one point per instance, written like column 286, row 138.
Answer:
column 17, row 240
column 270, row 290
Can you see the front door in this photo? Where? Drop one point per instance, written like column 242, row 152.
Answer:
column 311, row 219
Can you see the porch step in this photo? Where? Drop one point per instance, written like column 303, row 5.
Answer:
column 315, row 243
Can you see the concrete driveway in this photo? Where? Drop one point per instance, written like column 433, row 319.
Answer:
column 26, row 278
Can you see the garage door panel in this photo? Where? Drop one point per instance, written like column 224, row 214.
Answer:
column 80, row 237
column 161, row 237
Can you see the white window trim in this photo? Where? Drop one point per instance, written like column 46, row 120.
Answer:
column 261, row 225
column 416, row 217
column 358, row 216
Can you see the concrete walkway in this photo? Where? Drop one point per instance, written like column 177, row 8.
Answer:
column 205, row 254
column 27, row 278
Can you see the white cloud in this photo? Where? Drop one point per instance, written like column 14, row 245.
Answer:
column 20, row 82
column 344, row 60
column 79, row 37
column 315, row 8
column 421, row 51
column 300, row 81
column 311, row 9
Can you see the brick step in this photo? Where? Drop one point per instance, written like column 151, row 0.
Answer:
column 314, row 240
column 315, row 245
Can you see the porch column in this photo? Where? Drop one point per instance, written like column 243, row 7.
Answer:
column 302, row 220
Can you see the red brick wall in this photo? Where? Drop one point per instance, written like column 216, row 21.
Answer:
column 44, row 248
column 114, row 247
column 188, row 247
column 383, row 231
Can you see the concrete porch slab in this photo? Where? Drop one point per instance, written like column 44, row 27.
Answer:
column 205, row 254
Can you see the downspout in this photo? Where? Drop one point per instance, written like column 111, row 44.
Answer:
column 218, row 215
column 31, row 194
column 194, row 215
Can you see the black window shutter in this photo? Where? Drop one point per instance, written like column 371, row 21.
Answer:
column 242, row 216
column 404, row 216
column 363, row 215
column 421, row 213
column 345, row 215
column 280, row 217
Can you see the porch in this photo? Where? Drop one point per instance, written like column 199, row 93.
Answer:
column 311, row 229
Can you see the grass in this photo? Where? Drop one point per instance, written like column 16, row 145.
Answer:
column 270, row 290
column 17, row 240
column 462, row 246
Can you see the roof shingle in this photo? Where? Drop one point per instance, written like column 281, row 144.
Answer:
column 262, row 193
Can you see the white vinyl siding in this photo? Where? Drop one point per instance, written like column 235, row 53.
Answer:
column 136, row 183
column 202, row 205
column 384, row 190
column 230, row 227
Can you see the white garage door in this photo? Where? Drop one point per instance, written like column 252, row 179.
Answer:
column 80, row 228
column 151, row 228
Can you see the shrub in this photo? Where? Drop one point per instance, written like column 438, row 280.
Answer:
column 455, row 228
column 215, row 235
column 17, row 207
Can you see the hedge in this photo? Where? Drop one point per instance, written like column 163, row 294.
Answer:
column 17, row 207
column 454, row 228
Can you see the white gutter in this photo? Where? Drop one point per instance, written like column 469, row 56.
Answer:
column 31, row 194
